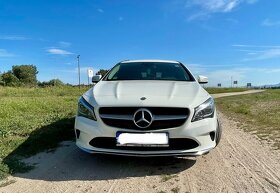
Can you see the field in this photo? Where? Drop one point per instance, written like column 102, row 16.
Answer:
column 212, row 90
column 33, row 120
column 256, row 113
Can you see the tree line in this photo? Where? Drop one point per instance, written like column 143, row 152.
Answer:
column 26, row 75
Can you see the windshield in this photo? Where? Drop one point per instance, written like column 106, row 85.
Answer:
column 149, row 71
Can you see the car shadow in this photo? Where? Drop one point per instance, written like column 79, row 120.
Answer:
column 67, row 162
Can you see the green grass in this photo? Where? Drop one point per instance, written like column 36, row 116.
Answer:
column 224, row 90
column 258, row 113
column 33, row 120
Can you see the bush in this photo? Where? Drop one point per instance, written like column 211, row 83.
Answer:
column 53, row 82
column 9, row 79
column 26, row 74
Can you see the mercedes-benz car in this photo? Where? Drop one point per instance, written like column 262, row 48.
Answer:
column 147, row 108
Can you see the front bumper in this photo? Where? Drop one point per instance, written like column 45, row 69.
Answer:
column 199, row 131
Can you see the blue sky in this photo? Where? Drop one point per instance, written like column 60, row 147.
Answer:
column 217, row 38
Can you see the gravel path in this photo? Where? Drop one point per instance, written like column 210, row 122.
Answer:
column 241, row 163
column 236, row 93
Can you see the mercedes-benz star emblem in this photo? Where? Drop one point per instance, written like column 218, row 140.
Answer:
column 143, row 98
column 143, row 118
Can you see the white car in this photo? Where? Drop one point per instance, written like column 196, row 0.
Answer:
column 147, row 108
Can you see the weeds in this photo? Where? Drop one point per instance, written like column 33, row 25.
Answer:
column 34, row 120
column 225, row 90
column 165, row 178
column 258, row 113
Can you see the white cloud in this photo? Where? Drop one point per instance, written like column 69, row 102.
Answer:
column 270, row 23
column 64, row 44
column 100, row 10
column 12, row 37
column 225, row 76
column 5, row 53
column 275, row 70
column 259, row 52
column 58, row 51
column 255, row 46
column 222, row 73
column 199, row 15
column 264, row 54
column 208, row 7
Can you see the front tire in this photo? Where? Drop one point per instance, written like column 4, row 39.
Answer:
column 218, row 133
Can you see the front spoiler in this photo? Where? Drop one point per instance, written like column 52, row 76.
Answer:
column 147, row 154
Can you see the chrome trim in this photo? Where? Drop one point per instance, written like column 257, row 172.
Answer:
column 155, row 117
column 169, row 117
column 143, row 118
column 117, row 116
column 146, row 154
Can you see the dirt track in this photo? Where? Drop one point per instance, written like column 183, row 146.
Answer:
column 241, row 163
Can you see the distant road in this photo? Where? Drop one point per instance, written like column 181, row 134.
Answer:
column 235, row 93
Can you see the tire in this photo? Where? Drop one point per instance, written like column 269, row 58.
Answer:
column 218, row 133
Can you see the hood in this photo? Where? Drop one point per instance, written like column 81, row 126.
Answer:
column 156, row 93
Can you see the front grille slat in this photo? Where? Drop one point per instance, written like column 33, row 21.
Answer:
column 116, row 116
column 168, row 117
column 163, row 117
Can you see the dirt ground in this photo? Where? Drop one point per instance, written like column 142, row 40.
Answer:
column 241, row 163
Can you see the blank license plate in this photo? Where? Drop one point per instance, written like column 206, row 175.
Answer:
column 142, row 139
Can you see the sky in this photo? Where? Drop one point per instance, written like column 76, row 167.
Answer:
column 221, row 39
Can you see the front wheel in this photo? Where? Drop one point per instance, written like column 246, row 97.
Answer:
column 218, row 132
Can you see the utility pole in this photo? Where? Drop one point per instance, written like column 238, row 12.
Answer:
column 231, row 81
column 79, row 72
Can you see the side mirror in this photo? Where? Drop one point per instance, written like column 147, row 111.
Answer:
column 202, row 79
column 96, row 78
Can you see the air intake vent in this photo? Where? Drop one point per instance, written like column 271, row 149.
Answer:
column 174, row 144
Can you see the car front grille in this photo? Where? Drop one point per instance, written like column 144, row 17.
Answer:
column 174, row 144
column 163, row 117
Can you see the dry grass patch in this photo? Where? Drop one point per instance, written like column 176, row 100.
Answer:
column 258, row 113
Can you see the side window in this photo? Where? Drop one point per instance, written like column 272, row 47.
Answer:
column 113, row 73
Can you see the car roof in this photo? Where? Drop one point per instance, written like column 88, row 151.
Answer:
column 151, row 60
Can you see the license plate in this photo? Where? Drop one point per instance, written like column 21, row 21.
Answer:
column 142, row 139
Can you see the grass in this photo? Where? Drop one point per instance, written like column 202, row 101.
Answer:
column 175, row 190
column 258, row 113
column 224, row 90
column 165, row 178
column 6, row 183
column 33, row 120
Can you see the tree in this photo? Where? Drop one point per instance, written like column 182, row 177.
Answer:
column 1, row 81
column 102, row 72
column 10, row 79
column 53, row 82
column 26, row 74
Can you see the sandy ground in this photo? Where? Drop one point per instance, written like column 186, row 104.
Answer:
column 241, row 163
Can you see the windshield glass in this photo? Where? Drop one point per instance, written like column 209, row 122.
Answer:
column 149, row 71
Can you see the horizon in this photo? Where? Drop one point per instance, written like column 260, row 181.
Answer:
column 221, row 39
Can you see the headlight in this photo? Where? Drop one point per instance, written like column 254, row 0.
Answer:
column 85, row 109
column 205, row 110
